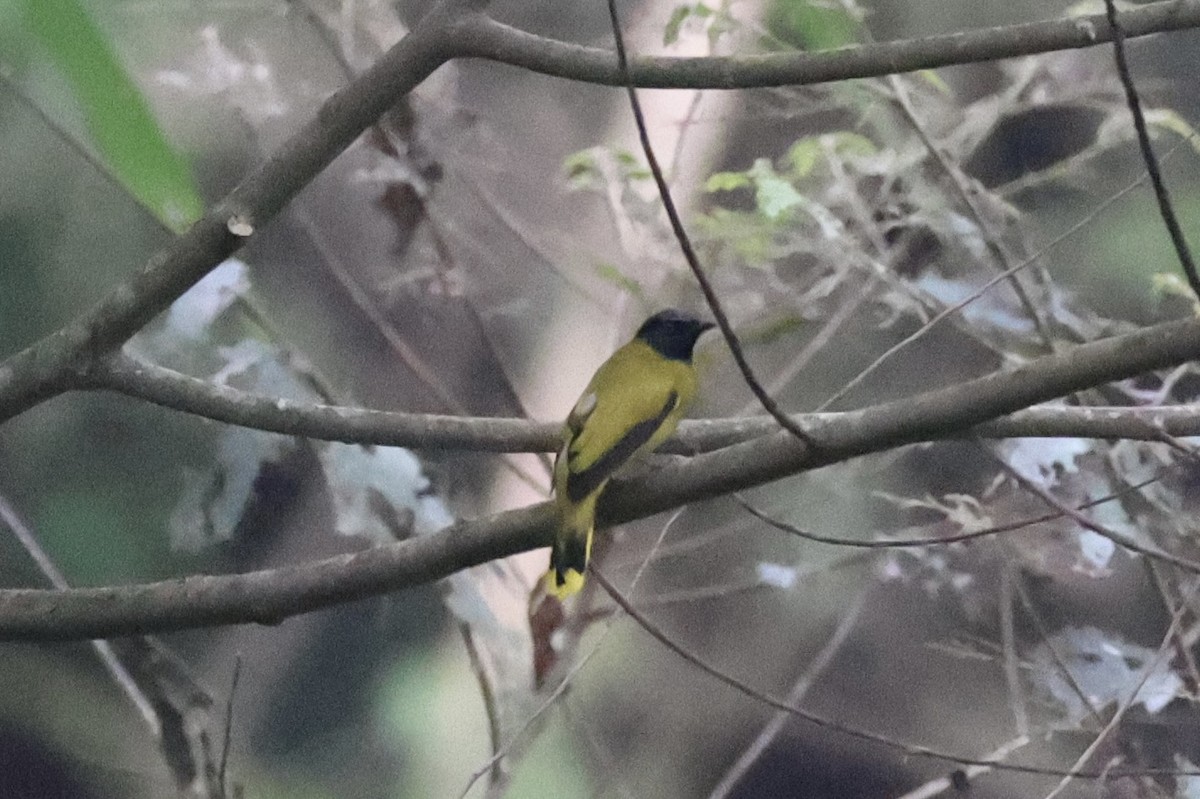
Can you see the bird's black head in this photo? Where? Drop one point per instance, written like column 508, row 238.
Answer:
column 672, row 333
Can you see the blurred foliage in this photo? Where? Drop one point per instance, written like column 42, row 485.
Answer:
column 813, row 24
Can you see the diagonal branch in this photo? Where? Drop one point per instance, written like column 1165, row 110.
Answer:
column 50, row 365
column 269, row 596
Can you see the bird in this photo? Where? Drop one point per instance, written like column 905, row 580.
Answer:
column 631, row 406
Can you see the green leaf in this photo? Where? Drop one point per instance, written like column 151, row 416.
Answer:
column 631, row 165
column 750, row 239
column 775, row 329
column 935, row 80
column 581, row 168
column 807, row 25
column 618, row 278
column 671, row 32
column 773, row 195
column 726, row 181
column 804, row 155
column 681, row 15
column 1170, row 284
column 848, row 143
column 117, row 116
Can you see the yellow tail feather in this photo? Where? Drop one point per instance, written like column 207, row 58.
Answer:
column 572, row 583
column 572, row 547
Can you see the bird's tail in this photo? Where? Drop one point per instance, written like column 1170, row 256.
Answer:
column 571, row 550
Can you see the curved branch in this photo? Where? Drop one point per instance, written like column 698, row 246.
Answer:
column 422, row 431
column 171, row 389
column 271, row 595
column 483, row 37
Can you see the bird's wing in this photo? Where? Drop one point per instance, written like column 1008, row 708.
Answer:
column 624, row 407
column 584, row 481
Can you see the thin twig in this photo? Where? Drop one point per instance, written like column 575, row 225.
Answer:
column 1105, row 532
column 685, row 244
column 1008, row 643
column 103, row 649
column 950, row 310
column 1184, row 651
column 825, row 723
column 425, row 373
column 1059, row 661
column 503, row 750
column 407, row 354
column 1123, row 707
column 609, row 771
column 962, row 185
column 940, row 785
column 1161, row 195
column 908, row 543
column 490, row 707
column 859, row 294
column 812, row 672
column 227, row 736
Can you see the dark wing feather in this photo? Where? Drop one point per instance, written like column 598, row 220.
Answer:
column 582, row 483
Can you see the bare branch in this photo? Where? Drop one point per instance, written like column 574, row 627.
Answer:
column 272, row 595
column 800, row 689
column 485, row 38
column 171, row 389
column 268, row 596
column 456, row 29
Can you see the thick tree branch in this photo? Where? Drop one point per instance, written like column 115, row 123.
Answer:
column 486, row 38
column 273, row 595
column 421, row 431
